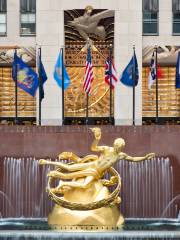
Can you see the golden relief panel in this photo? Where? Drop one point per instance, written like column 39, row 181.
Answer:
column 95, row 26
column 168, row 95
column 26, row 103
column 75, row 97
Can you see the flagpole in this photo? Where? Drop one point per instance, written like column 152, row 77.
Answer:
column 133, row 77
column 110, row 86
column 87, row 105
column 40, row 83
column 157, row 103
column 62, row 55
column 16, row 121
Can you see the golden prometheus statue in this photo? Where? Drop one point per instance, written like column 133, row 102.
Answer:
column 82, row 196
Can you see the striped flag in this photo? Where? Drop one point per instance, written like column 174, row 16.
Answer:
column 152, row 72
column 88, row 73
column 110, row 72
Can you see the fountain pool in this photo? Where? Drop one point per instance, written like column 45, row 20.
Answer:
column 133, row 229
column 24, row 206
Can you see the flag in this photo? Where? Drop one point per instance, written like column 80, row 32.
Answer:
column 88, row 73
column 58, row 72
column 110, row 72
column 26, row 78
column 42, row 77
column 178, row 71
column 127, row 75
column 152, row 72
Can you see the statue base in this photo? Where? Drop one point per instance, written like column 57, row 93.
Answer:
column 102, row 219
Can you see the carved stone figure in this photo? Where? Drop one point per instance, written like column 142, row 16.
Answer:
column 88, row 23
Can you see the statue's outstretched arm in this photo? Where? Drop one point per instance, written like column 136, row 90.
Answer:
column 98, row 16
column 136, row 159
column 67, row 167
column 97, row 135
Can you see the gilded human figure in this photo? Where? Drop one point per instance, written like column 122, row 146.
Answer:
column 91, row 167
column 88, row 24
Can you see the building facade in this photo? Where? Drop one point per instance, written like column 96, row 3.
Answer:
column 136, row 23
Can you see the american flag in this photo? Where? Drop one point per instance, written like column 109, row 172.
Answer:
column 152, row 72
column 111, row 73
column 88, row 73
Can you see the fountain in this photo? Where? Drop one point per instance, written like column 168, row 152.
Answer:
column 31, row 204
column 169, row 204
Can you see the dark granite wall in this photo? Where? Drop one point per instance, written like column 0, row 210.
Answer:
column 42, row 142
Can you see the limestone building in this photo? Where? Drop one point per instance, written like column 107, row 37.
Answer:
column 40, row 23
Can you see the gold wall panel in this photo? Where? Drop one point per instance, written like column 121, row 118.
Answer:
column 169, row 96
column 26, row 103
column 97, row 26
column 75, row 97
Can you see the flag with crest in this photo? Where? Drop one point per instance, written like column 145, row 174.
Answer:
column 26, row 77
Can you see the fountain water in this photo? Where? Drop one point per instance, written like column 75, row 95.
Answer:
column 24, row 184
column 7, row 200
column 168, row 206
column 178, row 217
column 147, row 188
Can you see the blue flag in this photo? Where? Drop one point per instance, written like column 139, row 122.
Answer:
column 58, row 72
column 178, row 71
column 42, row 77
column 127, row 75
column 26, row 78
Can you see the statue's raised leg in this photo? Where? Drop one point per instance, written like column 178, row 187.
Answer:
column 71, row 167
column 78, row 174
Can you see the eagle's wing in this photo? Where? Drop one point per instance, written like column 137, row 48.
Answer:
column 101, row 15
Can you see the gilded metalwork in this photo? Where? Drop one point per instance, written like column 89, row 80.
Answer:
column 112, row 198
column 80, row 26
column 82, row 178
column 75, row 97
column 169, row 96
column 26, row 103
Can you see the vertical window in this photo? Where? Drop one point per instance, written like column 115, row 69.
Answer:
column 3, row 18
column 176, row 17
column 28, row 17
column 150, row 17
